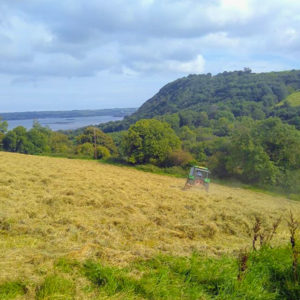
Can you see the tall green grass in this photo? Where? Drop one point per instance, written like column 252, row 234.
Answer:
column 11, row 290
column 268, row 275
column 55, row 287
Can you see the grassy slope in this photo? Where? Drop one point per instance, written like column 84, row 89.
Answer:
column 293, row 99
column 53, row 208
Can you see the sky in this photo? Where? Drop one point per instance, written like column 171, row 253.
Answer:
column 79, row 54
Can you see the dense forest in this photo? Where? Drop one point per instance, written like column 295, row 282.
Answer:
column 242, row 126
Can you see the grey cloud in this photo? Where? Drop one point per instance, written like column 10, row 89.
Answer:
column 81, row 38
column 172, row 19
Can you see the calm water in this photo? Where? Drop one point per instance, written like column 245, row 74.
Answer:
column 63, row 123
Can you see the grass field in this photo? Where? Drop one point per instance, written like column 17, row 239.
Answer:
column 53, row 208
column 293, row 99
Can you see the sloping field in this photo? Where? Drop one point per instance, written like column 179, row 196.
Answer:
column 52, row 207
column 293, row 99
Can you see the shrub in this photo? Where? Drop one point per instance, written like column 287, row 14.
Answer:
column 179, row 158
column 59, row 143
column 149, row 141
column 86, row 149
column 2, row 135
column 102, row 152
column 92, row 135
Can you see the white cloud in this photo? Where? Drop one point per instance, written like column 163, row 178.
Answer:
column 21, row 38
column 143, row 33
column 140, row 39
column 193, row 66
column 231, row 11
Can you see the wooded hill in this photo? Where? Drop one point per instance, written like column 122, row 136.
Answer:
column 238, row 93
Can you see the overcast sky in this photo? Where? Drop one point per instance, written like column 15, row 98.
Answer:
column 88, row 54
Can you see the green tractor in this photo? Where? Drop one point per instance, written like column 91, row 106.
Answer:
column 198, row 176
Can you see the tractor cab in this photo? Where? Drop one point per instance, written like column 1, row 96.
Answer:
column 198, row 176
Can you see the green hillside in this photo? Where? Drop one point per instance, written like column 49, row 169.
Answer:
column 240, row 93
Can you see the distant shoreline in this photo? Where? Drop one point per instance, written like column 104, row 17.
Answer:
column 115, row 112
column 63, row 123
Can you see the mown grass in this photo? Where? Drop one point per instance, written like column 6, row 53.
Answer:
column 268, row 276
column 181, row 172
column 105, row 215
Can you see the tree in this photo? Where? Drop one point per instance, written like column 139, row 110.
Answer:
column 250, row 163
column 179, row 158
column 94, row 135
column 247, row 158
column 186, row 134
column 16, row 140
column 202, row 119
column 86, row 149
column 3, row 130
column 10, row 141
column 185, row 118
column 2, row 135
column 117, row 137
column 221, row 126
column 102, row 152
column 188, row 137
column 3, row 126
column 280, row 141
column 59, row 143
column 150, row 141
column 39, row 140
column 173, row 120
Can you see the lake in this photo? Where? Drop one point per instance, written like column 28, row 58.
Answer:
column 63, row 123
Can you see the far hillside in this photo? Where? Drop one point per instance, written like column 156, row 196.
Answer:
column 117, row 112
column 238, row 93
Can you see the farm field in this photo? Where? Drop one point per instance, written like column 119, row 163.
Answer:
column 293, row 99
column 53, row 208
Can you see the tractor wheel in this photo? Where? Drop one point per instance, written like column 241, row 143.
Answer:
column 206, row 186
column 187, row 185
